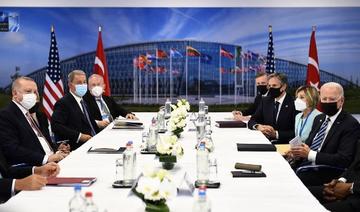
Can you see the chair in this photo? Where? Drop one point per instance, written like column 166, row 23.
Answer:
column 326, row 171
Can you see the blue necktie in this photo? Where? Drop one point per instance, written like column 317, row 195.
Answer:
column 320, row 135
column 85, row 111
column 104, row 109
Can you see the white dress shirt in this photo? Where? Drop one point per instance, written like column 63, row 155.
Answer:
column 281, row 100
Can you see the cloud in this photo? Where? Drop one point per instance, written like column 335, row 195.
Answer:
column 12, row 38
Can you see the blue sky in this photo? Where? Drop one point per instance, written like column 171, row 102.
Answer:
column 337, row 36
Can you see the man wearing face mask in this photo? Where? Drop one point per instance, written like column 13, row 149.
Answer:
column 332, row 139
column 22, row 139
column 103, row 108
column 275, row 116
column 71, row 119
column 261, row 80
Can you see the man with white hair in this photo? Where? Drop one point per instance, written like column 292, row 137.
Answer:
column 71, row 119
column 103, row 108
column 332, row 140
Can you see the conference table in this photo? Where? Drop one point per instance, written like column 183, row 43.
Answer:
column 280, row 190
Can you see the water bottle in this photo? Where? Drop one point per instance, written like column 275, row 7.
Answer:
column 89, row 203
column 153, row 136
column 167, row 108
column 161, row 119
column 202, row 203
column 200, row 129
column 202, row 105
column 77, row 202
column 202, row 164
column 129, row 164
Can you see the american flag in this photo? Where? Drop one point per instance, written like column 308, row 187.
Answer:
column 54, row 88
column 270, row 60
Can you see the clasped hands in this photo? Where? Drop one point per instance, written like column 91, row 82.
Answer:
column 267, row 130
column 336, row 190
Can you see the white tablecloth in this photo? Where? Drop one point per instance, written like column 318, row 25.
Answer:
column 281, row 190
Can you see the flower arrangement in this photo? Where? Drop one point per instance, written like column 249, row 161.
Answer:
column 177, row 120
column 168, row 149
column 154, row 188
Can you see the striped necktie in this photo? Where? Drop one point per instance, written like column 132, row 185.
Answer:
column 34, row 125
column 320, row 135
column 104, row 109
column 86, row 113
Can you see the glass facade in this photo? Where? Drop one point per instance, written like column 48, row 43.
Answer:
column 218, row 79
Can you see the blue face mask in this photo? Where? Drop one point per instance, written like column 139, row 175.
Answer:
column 80, row 90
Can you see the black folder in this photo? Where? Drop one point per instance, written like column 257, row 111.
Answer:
column 106, row 150
column 256, row 147
column 247, row 174
column 231, row 124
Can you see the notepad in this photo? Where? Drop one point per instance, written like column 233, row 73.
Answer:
column 256, row 147
column 70, row 181
column 230, row 124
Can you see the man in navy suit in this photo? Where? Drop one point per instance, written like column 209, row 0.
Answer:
column 22, row 139
column 333, row 137
column 275, row 116
column 72, row 119
column 103, row 108
column 14, row 179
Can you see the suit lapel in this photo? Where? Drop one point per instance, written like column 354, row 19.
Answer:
column 284, row 108
column 334, row 127
column 79, row 111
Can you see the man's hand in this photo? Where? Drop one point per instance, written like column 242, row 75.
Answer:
column 64, row 148
column 58, row 156
column 328, row 191
column 32, row 182
column 131, row 116
column 48, row 170
column 342, row 190
column 84, row 137
column 102, row 124
column 301, row 151
column 267, row 130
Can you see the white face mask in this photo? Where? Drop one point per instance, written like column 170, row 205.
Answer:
column 28, row 101
column 300, row 105
column 97, row 91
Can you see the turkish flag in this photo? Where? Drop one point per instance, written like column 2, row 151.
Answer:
column 313, row 73
column 100, row 65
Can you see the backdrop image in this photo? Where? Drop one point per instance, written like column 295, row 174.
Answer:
column 157, row 53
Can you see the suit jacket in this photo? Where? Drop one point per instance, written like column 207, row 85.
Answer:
column 114, row 108
column 286, row 120
column 18, row 140
column 8, row 174
column 338, row 148
column 252, row 108
column 68, row 121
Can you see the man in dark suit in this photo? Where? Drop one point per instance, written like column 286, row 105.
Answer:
column 21, row 138
column 332, row 140
column 261, row 81
column 71, row 119
column 275, row 116
column 103, row 108
column 342, row 194
column 14, row 179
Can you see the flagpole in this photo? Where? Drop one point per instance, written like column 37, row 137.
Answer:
column 157, row 77
column 243, row 70
column 140, row 90
column 235, row 74
column 220, row 79
column 186, row 74
column 199, row 78
column 134, row 84
column 171, row 77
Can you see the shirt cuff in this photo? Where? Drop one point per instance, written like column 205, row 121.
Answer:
column 33, row 170
column 342, row 179
column 77, row 141
column 277, row 134
column 312, row 156
column 352, row 188
column 255, row 126
column 13, row 187
column 45, row 160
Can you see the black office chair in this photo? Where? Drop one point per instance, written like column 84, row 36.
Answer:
column 309, row 174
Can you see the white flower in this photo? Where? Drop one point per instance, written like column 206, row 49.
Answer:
column 169, row 145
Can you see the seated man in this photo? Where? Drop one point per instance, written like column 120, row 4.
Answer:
column 71, row 119
column 261, row 81
column 332, row 139
column 33, row 178
column 103, row 108
column 275, row 116
column 22, row 139
column 341, row 194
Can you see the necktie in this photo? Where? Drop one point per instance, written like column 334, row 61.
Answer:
column 276, row 108
column 105, row 109
column 320, row 135
column 36, row 128
column 86, row 113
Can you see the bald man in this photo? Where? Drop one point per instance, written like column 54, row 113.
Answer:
column 332, row 140
column 103, row 108
column 22, row 139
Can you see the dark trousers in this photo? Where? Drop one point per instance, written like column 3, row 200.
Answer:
column 318, row 178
